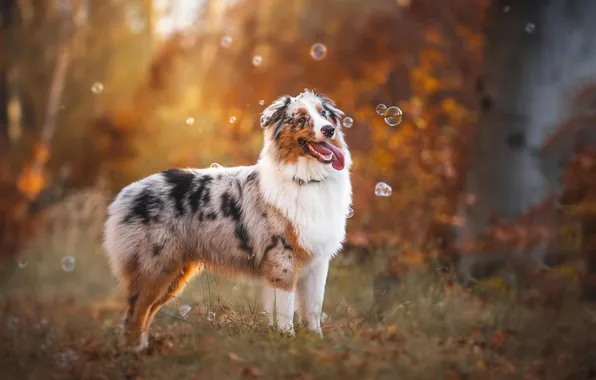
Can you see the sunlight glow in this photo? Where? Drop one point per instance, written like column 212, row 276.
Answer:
column 175, row 15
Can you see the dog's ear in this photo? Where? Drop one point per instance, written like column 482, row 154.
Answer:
column 275, row 112
column 334, row 113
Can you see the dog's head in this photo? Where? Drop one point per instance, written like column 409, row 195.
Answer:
column 307, row 125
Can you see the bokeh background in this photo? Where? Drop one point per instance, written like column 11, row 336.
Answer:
column 492, row 169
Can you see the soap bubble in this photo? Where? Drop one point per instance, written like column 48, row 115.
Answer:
column 190, row 120
column 350, row 212
column 506, row 9
column 530, row 28
column 12, row 322
column 232, row 119
column 23, row 262
column 261, row 102
column 215, row 165
column 257, row 60
column 226, row 41
column 318, row 51
column 97, row 88
column 393, row 116
column 184, row 310
column 382, row 190
column 381, row 109
column 347, row 122
column 65, row 358
column 68, row 264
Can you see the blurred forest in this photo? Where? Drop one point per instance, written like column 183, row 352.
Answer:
column 490, row 229
column 496, row 99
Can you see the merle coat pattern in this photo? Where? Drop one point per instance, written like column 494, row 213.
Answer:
column 280, row 220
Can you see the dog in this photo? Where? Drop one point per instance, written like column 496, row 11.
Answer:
column 281, row 220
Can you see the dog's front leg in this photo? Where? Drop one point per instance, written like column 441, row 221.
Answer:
column 279, row 307
column 310, row 294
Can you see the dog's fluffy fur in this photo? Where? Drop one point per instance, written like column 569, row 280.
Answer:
column 280, row 220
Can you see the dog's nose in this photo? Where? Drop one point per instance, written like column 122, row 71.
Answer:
column 328, row 130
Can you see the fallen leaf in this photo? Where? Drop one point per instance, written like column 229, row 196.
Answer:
column 392, row 330
column 234, row 357
column 251, row 372
column 498, row 338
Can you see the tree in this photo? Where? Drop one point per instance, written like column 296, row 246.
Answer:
column 525, row 95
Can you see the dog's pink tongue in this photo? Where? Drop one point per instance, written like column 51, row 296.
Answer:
column 338, row 156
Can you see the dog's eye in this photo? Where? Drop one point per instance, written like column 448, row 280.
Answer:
column 323, row 113
column 302, row 120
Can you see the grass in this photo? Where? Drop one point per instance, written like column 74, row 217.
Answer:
column 62, row 325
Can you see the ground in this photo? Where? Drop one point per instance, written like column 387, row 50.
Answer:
column 62, row 325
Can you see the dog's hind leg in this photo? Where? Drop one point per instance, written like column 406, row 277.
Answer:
column 144, row 291
column 175, row 288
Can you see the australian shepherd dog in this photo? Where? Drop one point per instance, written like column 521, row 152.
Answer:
column 281, row 220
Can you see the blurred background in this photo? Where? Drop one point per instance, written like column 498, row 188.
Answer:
column 492, row 168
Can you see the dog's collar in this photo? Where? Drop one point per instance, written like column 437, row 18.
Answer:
column 301, row 182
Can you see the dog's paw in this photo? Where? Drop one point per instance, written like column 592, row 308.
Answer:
column 290, row 333
column 143, row 345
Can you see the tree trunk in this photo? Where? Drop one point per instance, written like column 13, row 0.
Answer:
column 7, row 7
column 539, row 54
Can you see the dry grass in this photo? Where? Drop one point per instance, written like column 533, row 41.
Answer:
column 57, row 324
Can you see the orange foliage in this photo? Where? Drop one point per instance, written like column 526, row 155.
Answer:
column 422, row 56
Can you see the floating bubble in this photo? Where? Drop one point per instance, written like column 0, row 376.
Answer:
column 350, row 212
column 234, row 288
column 381, row 109
column 382, row 190
column 65, row 358
column 215, row 165
column 530, row 28
column 506, row 9
column 184, row 310
column 226, row 41
column 190, row 120
column 12, row 322
column 211, row 316
column 261, row 102
column 97, row 88
column 232, row 119
column 393, row 116
column 347, row 122
column 318, row 51
column 137, row 25
column 68, row 264
column 23, row 262
column 257, row 60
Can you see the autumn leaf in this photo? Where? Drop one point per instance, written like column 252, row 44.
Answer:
column 235, row 358
column 251, row 372
column 498, row 338
column 31, row 181
column 392, row 330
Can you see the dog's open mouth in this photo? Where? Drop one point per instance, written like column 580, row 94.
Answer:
column 324, row 152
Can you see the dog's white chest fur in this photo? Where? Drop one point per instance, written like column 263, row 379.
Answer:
column 317, row 210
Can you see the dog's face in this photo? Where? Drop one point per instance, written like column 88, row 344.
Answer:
column 305, row 125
